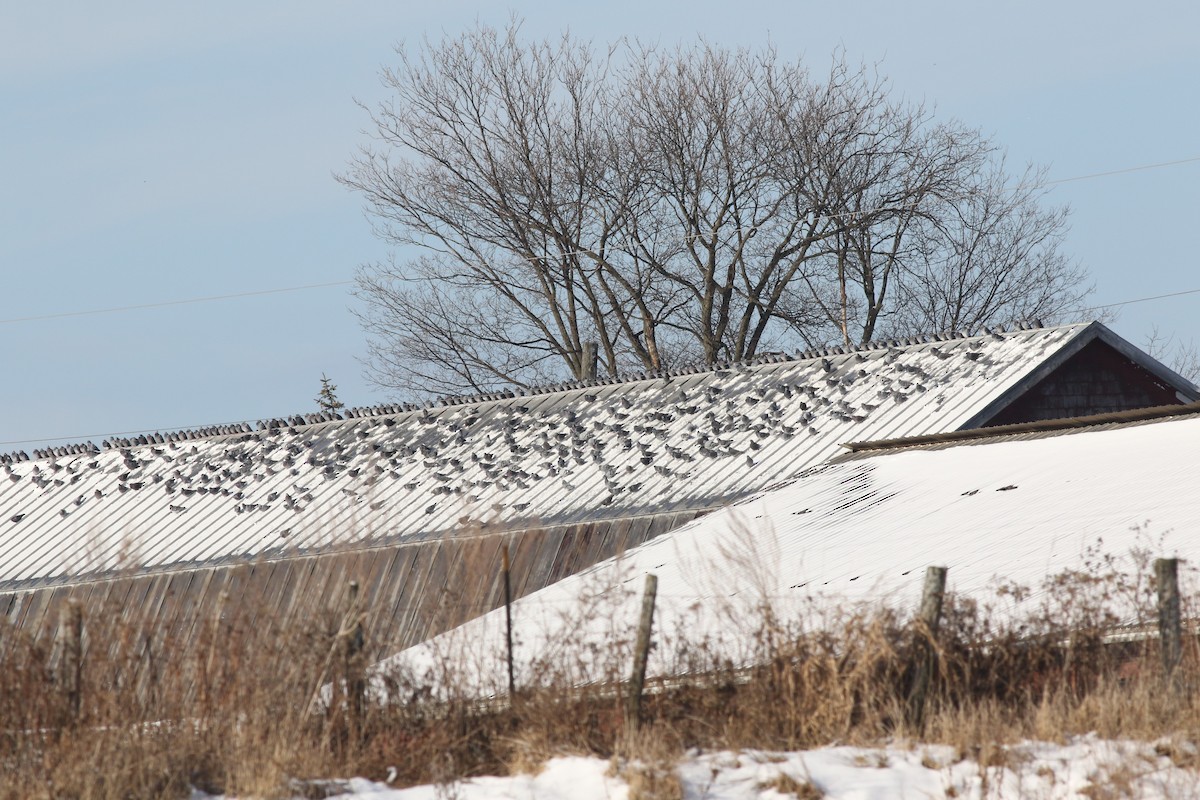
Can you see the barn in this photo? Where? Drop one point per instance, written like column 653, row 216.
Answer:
column 1010, row 512
column 416, row 503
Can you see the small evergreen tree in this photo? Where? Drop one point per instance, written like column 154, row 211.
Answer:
column 327, row 400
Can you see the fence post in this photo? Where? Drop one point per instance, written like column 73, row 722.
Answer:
column 641, row 654
column 70, row 670
column 512, row 684
column 928, row 620
column 1166, row 574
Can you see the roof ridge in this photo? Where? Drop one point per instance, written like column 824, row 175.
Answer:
column 296, row 421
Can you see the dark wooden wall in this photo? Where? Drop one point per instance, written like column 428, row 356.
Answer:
column 412, row 591
column 1097, row 380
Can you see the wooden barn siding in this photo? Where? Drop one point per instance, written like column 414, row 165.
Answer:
column 412, row 591
column 1097, row 380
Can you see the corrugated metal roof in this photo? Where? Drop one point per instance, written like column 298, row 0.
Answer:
column 659, row 444
column 864, row 530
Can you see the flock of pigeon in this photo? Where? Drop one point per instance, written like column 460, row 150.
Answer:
column 658, row 443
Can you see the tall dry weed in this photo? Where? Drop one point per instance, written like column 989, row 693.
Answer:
column 243, row 703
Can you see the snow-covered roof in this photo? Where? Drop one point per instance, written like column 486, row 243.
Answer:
column 657, row 444
column 863, row 529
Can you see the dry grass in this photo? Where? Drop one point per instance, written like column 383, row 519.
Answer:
column 237, row 706
column 802, row 790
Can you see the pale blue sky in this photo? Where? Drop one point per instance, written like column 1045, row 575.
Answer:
column 155, row 151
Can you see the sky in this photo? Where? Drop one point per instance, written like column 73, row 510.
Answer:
column 155, row 152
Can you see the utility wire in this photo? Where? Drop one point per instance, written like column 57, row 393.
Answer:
column 1122, row 171
column 213, row 298
column 1142, row 300
column 685, row 239
column 87, row 437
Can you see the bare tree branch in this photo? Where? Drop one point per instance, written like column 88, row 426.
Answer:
column 695, row 204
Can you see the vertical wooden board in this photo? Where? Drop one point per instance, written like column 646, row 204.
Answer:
column 118, row 594
column 300, row 579
column 164, row 584
column 10, row 603
column 183, row 603
column 152, row 602
column 255, row 591
column 331, row 595
column 138, row 597
column 533, row 556
column 34, row 619
column 456, row 581
column 637, row 531
column 172, row 584
column 313, row 600
column 93, row 599
column 217, row 585
column 391, row 584
column 346, row 572
column 585, row 543
column 374, row 570
column 404, row 596
column 42, row 617
column 452, row 578
column 392, row 602
column 566, row 552
column 480, row 578
column 248, row 591
column 417, row 591
column 354, row 566
column 274, row 579
column 603, row 539
column 197, row 602
column 427, row 592
column 574, row 556
column 237, row 576
column 277, row 581
column 364, row 568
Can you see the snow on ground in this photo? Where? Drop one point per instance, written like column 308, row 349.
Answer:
column 1085, row 767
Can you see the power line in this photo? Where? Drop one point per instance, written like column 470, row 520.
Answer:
column 213, row 298
column 1142, row 299
column 1123, row 171
column 108, row 434
column 208, row 299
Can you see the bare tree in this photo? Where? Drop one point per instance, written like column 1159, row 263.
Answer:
column 698, row 204
column 1181, row 355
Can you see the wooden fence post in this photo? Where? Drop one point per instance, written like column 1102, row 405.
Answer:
column 641, row 654
column 1166, row 574
column 70, row 669
column 928, row 620
column 512, row 684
